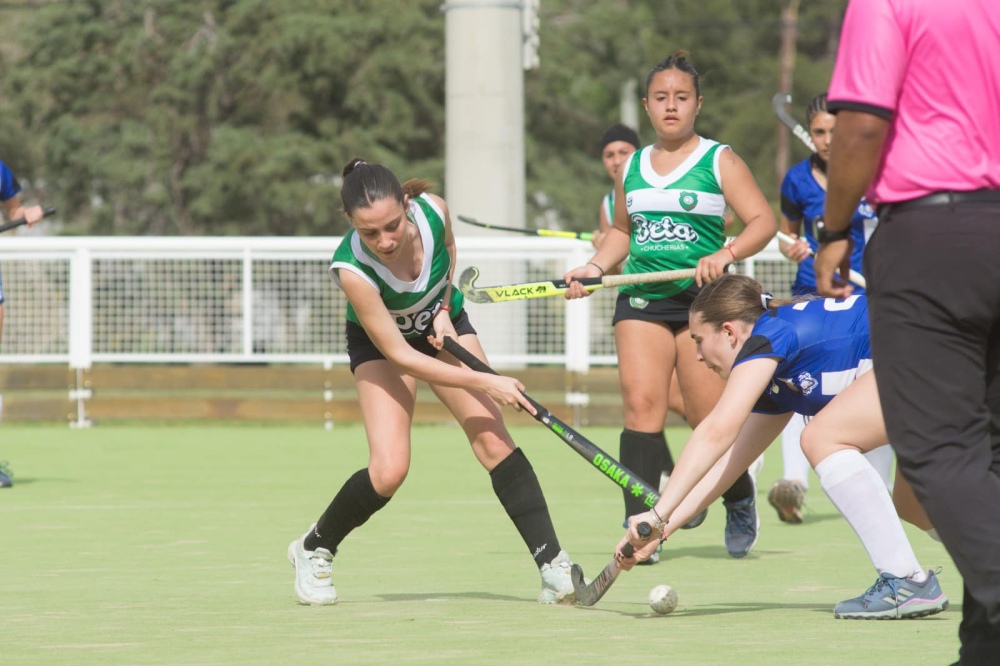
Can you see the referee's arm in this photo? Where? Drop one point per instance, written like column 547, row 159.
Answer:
column 854, row 157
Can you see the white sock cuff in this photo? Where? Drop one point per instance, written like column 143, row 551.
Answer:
column 841, row 465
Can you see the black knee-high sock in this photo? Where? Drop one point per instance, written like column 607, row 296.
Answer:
column 356, row 502
column 517, row 488
column 646, row 454
column 741, row 489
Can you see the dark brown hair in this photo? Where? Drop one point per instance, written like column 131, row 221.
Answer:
column 816, row 106
column 366, row 183
column 734, row 297
column 679, row 62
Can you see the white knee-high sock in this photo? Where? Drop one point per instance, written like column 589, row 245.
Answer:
column 881, row 459
column 796, row 464
column 856, row 490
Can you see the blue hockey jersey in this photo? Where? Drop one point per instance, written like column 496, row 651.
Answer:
column 821, row 346
column 802, row 200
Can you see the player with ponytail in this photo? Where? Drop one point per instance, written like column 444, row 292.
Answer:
column 807, row 356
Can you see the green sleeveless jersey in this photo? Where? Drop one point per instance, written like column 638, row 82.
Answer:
column 676, row 219
column 411, row 304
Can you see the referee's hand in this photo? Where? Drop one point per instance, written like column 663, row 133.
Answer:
column 831, row 257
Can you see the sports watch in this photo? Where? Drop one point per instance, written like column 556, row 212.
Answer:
column 823, row 236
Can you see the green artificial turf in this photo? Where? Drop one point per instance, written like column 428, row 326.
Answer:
column 166, row 545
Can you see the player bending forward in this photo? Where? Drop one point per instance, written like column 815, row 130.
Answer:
column 395, row 268
column 810, row 357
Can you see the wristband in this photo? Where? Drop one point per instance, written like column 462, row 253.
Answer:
column 659, row 523
column 731, row 253
column 824, row 236
column 597, row 267
column 445, row 308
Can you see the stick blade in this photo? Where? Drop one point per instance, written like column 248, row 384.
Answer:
column 585, row 596
column 466, row 285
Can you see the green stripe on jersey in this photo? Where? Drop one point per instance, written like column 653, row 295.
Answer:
column 676, row 219
column 411, row 304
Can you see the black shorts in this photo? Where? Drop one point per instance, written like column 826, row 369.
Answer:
column 672, row 311
column 360, row 347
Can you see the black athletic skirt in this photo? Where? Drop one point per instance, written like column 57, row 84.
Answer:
column 672, row 311
column 360, row 347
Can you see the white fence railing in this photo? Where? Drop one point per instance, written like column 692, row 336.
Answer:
column 81, row 301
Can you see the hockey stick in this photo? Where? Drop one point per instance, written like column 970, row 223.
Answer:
column 588, row 595
column 779, row 103
column 855, row 277
column 578, row 235
column 544, row 288
column 619, row 474
column 13, row 224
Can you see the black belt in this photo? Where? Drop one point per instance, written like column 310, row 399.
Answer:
column 941, row 199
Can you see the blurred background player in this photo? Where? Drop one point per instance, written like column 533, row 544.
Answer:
column 796, row 357
column 803, row 195
column 395, row 267
column 676, row 192
column 13, row 209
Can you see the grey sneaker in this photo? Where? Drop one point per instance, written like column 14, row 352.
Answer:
column 6, row 476
column 787, row 497
column 696, row 521
column 313, row 573
column 892, row 598
column 557, row 585
column 742, row 523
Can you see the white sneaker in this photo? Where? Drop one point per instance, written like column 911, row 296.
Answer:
column 313, row 573
column 557, row 585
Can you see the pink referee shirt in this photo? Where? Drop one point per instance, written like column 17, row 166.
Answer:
column 931, row 67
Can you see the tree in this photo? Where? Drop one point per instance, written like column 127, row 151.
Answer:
column 236, row 116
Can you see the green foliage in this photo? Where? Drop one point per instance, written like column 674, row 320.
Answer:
column 236, row 116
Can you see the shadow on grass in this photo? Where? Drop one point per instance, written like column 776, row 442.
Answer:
column 23, row 481
column 444, row 596
column 729, row 609
column 703, row 611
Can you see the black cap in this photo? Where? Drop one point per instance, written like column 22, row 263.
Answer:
column 620, row 132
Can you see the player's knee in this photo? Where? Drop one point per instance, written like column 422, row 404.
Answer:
column 491, row 447
column 387, row 475
column 815, row 445
column 644, row 412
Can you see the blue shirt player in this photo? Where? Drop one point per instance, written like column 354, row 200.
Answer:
column 811, row 357
column 803, row 195
column 12, row 208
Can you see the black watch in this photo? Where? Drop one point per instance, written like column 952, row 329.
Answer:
column 823, row 236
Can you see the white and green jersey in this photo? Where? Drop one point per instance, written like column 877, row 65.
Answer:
column 608, row 204
column 411, row 304
column 676, row 219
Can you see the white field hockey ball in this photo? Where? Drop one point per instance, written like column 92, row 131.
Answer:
column 662, row 599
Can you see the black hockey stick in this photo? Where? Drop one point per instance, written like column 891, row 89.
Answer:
column 548, row 233
column 588, row 595
column 13, row 224
column 622, row 476
column 779, row 103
